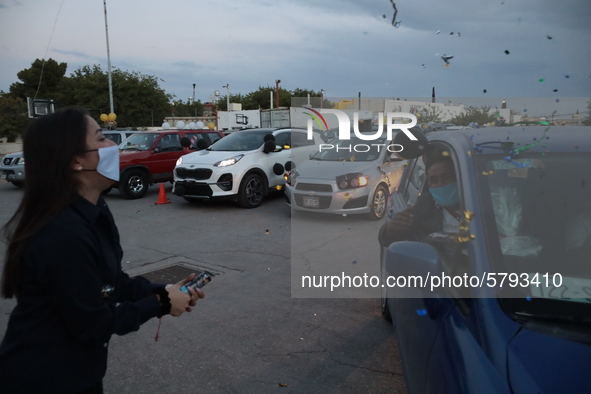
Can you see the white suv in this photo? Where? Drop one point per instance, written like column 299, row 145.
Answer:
column 244, row 166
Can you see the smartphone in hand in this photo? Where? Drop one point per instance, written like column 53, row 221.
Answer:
column 197, row 282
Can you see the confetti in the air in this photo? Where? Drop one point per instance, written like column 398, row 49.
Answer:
column 484, row 91
column 549, row 37
column 555, row 90
column 438, row 31
column 542, row 79
column 557, row 100
column 395, row 23
column 446, row 59
column 506, row 52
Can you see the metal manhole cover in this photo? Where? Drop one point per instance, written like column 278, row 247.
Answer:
column 171, row 274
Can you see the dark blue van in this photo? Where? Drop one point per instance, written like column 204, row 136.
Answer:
column 503, row 304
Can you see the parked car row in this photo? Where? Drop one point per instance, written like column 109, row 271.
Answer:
column 246, row 165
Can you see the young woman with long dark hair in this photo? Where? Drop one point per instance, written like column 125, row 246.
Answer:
column 63, row 264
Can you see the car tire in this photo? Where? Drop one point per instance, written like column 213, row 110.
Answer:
column 252, row 191
column 383, row 298
column 134, row 184
column 17, row 183
column 379, row 203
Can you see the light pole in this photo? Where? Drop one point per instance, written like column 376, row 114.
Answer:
column 227, row 86
column 108, row 60
column 322, row 91
column 277, row 82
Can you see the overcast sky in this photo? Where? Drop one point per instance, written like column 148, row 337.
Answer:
column 342, row 46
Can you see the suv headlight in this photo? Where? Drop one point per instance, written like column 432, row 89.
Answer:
column 179, row 161
column 228, row 162
column 352, row 181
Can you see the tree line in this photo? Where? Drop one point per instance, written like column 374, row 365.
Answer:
column 139, row 99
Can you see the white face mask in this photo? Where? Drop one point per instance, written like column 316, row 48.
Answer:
column 108, row 165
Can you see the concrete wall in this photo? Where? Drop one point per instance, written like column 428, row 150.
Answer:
column 10, row 147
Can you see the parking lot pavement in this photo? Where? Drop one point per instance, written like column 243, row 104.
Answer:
column 248, row 335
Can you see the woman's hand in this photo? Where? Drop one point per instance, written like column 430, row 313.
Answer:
column 195, row 294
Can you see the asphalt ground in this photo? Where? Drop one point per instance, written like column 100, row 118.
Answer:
column 251, row 334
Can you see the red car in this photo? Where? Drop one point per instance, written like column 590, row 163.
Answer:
column 149, row 157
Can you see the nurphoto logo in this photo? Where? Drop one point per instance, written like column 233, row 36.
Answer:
column 345, row 126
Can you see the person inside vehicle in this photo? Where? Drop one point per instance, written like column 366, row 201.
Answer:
column 436, row 210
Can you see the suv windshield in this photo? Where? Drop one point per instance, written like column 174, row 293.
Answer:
column 139, row 141
column 241, row 141
column 537, row 215
column 354, row 149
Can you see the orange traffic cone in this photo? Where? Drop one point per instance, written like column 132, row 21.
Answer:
column 162, row 196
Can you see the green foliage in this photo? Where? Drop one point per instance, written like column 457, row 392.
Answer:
column 222, row 104
column 14, row 117
column 429, row 114
column 178, row 108
column 43, row 75
column 474, row 114
column 137, row 98
column 261, row 99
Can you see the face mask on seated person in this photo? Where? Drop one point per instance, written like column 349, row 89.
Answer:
column 446, row 196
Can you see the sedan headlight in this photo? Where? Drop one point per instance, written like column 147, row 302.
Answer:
column 228, row 162
column 291, row 177
column 179, row 161
column 352, row 181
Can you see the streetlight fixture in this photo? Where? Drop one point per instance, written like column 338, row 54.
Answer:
column 108, row 60
column 227, row 86
column 277, row 82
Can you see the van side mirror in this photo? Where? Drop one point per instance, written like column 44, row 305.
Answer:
column 413, row 259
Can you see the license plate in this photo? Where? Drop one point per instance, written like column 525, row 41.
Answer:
column 311, row 202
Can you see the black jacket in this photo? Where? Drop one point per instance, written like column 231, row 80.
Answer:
column 58, row 333
column 427, row 218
